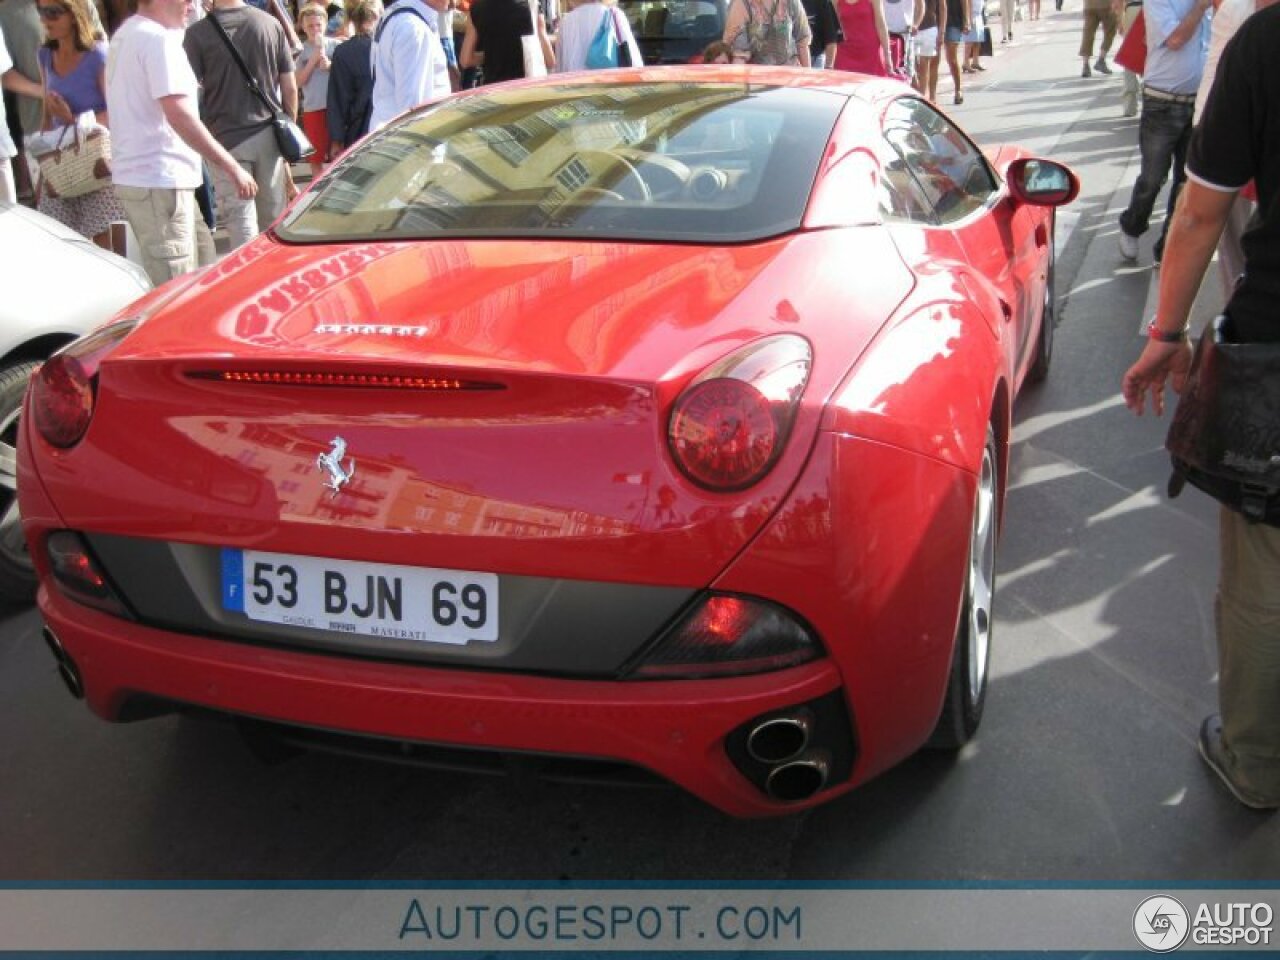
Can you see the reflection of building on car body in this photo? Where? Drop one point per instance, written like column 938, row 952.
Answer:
column 650, row 478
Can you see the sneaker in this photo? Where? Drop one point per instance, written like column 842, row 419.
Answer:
column 1086, row 72
column 1101, row 65
column 1128, row 246
column 1214, row 752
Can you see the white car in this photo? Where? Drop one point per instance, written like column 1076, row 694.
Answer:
column 58, row 285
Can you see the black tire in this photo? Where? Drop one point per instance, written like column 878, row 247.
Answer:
column 17, row 577
column 966, row 693
column 1048, row 318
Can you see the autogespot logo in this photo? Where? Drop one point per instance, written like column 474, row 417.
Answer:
column 1161, row 924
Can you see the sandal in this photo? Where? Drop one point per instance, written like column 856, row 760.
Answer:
column 966, row 69
column 959, row 99
column 978, row 66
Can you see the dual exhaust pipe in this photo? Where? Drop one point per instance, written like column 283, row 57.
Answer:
column 782, row 743
column 67, row 668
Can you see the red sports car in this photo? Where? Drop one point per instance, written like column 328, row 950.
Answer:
column 644, row 420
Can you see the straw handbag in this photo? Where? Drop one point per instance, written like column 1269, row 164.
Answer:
column 76, row 168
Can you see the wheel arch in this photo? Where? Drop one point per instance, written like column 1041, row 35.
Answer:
column 38, row 348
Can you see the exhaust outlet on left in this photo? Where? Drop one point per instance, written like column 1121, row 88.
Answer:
column 67, row 668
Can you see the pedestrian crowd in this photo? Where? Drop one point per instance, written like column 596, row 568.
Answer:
column 887, row 38
column 190, row 94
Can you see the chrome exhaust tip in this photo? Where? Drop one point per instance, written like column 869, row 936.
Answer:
column 800, row 779
column 781, row 738
column 67, row 668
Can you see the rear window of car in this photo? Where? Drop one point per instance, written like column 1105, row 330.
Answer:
column 697, row 162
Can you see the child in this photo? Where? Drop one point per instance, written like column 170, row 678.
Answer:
column 312, row 63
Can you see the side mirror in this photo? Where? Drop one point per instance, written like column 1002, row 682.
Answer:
column 1042, row 183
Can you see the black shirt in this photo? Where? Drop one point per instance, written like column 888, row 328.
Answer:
column 824, row 24
column 934, row 14
column 1238, row 140
column 499, row 26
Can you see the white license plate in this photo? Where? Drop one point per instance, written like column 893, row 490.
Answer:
column 372, row 599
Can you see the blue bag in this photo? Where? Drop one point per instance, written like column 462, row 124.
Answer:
column 603, row 52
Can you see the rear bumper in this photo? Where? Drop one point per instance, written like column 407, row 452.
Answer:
column 674, row 729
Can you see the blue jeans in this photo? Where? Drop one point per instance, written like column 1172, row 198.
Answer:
column 1163, row 135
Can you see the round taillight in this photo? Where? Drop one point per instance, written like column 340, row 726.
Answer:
column 64, row 389
column 724, row 434
column 62, row 400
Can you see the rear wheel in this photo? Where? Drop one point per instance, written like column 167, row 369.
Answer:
column 1048, row 319
column 967, row 685
column 17, row 577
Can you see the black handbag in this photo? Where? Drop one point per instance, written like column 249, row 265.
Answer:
column 293, row 143
column 1225, row 434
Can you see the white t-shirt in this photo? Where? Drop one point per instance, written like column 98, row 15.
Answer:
column 146, row 62
column 1226, row 21
column 7, row 149
column 898, row 15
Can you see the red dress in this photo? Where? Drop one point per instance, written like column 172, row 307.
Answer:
column 860, row 51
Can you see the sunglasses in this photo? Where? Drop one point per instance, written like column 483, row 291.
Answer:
column 51, row 13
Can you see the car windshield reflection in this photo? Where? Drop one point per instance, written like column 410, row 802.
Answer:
column 706, row 162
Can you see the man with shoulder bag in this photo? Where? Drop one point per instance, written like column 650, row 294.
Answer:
column 241, row 57
column 1237, row 140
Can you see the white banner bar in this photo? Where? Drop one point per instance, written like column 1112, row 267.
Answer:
column 569, row 920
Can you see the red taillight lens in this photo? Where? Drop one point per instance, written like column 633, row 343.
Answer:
column 730, row 425
column 729, row 636
column 77, row 573
column 723, row 434
column 62, row 400
column 64, row 389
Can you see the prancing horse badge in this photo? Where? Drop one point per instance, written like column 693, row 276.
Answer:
column 331, row 463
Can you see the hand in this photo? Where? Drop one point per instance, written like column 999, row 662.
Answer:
column 58, row 107
column 246, row 186
column 1147, row 376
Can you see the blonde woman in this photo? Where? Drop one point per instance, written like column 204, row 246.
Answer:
column 73, row 69
column 312, row 63
column 768, row 31
column 578, row 28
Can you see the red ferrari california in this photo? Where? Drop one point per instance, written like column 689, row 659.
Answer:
column 649, row 420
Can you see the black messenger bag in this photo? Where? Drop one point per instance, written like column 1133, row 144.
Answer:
column 1225, row 434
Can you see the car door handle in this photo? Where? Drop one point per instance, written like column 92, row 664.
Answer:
column 1006, row 310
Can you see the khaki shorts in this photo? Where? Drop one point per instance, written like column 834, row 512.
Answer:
column 163, row 221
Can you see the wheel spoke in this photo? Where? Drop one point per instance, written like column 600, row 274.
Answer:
column 981, row 577
column 12, row 542
column 9, row 452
